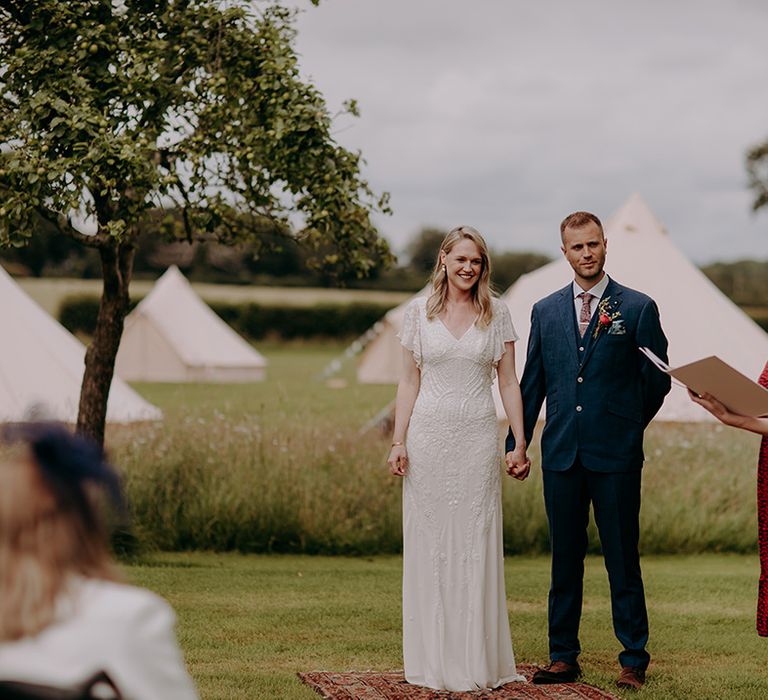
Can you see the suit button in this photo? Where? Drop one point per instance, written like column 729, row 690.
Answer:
column 581, row 349
column 578, row 409
column 579, row 379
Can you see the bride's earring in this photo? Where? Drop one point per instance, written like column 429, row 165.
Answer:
column 445, row 270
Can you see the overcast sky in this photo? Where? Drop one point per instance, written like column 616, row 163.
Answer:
column 509, row 114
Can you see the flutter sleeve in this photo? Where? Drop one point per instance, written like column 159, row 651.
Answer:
column 410, row 333
column 503, row 330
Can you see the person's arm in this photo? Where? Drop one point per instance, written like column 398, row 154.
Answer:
column 518, row 464
column 736, row 420
column 532, row 385
column 407, row 391
column 655, row 384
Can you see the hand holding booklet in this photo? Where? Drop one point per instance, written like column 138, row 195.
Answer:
column 711, row 375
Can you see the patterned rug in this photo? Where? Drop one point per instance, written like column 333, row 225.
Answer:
column 392, row 686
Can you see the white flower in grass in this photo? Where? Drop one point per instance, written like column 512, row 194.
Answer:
column 119, row 8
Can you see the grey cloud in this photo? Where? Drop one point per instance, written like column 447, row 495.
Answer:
column 508, row 114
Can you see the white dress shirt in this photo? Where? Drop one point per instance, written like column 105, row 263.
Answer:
column 597, row 293
column 127, row 632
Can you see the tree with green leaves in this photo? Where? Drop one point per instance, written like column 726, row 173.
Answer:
column 509, row 266
column 109, row 109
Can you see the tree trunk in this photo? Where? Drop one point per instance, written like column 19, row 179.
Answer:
column 116, row 269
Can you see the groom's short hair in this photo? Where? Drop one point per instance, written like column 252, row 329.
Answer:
column 579, row 219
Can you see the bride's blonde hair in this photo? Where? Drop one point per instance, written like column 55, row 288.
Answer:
column 481, row 292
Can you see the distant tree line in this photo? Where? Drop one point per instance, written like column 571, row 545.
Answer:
column 162, row 242
column 745, row 282
column 277, row 258
column 283, row 261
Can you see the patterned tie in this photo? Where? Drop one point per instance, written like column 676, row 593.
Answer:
column 586, row 313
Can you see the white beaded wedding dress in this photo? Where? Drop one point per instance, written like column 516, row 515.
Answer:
column 455, row 624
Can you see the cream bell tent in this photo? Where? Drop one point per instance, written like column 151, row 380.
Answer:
column 41, row 367
column 381, row 360
column 173, row 336
column 697, row 318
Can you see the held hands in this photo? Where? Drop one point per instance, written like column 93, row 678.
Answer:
column 398, row 460
column 518, row 464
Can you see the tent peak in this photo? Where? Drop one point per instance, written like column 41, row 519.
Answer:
column 634, row 216
column 173, row 273
column 172, row 281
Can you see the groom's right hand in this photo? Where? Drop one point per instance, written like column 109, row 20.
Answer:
column 518, row 464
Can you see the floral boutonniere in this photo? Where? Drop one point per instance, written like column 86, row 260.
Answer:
column 606, row 318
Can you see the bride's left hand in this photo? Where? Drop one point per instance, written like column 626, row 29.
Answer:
column 518, row 464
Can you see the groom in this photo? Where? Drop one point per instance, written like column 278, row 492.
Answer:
column 601, row 393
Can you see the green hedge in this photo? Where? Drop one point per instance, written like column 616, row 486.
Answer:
column 254, row 321
column 327, row 320
column 78, row 313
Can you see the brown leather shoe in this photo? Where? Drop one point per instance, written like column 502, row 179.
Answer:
column 557, row 672
column 631, row 678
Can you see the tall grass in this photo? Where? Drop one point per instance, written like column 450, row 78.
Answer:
column 243, row 486
column 281, row 466
column 278, row 466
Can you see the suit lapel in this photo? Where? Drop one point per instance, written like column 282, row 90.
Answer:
column 568, row 318
column 613, row 296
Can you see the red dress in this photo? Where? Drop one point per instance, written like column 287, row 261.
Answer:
column 762, row 527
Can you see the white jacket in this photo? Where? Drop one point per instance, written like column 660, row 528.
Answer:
column 127, row 632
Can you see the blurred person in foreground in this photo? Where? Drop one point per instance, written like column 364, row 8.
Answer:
column 65, row 617
column 759, row 426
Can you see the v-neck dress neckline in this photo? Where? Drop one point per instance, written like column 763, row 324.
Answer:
column 463, row 335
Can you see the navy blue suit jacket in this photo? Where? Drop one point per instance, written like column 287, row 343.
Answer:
column 601, row 392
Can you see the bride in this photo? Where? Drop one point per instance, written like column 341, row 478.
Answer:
column 446, row 446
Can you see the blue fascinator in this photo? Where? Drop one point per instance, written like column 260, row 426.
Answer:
column 68, row 461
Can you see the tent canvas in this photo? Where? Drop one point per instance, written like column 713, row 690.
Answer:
column 42, row 364
column 173, row 336
column 381, row 360
column 697, row 317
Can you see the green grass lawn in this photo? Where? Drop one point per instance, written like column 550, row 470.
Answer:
column 247, row 624
column 291, row 396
